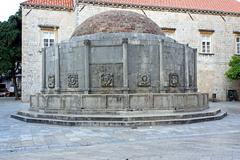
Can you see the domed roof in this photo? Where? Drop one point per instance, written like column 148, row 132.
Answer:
column 117, row 21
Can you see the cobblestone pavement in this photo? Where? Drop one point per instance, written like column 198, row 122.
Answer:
column 215, row 140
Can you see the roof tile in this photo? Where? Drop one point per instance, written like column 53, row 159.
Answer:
column 229, row 6
column 65, row 4
column 232, row 6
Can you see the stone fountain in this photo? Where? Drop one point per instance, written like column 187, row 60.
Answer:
column 119, row 69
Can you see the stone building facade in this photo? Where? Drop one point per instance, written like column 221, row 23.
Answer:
column 36, row 23
column 213, row 30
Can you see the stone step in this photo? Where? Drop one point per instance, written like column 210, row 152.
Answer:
column 132, row 117
column 129, row 123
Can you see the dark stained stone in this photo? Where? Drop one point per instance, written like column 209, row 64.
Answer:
column 117, row 21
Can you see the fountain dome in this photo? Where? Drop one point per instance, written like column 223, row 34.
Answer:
column 117, row 21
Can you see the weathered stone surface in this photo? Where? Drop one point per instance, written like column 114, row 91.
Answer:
column 72, row 80
column 187, row 32
column 209, row 140
column 131, row 120
column 105, row 64
column 113, row 103
column 32, row 43
column 117, row 21
column 120, row 72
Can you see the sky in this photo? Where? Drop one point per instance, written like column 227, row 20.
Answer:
column 9, row 8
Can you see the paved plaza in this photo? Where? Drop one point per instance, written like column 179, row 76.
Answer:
column 215, row 140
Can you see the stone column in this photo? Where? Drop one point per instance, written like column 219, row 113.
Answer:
column 125, row 64
column 195, row 70
column 87, row 44
column 186, row 68
column 161, row 72
column 57, row 68
column 43, row 70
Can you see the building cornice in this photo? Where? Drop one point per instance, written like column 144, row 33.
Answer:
column 206, row 30
column 236, row 32
column 46, row 7
column 158, row 8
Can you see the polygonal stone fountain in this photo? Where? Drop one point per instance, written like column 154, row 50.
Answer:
column 119, row 69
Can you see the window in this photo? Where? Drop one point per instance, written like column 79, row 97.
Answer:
column 238, row 45
column 206, row 43
column 48, row 38
column 49, row 34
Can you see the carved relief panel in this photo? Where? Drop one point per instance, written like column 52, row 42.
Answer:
column 51, row 81
column 144, row 80
column 106, row 75
column 173, row 80
column 72, row 81
column 106, row 80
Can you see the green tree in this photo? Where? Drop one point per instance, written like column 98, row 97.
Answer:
column 10, row 46
column 233, row 72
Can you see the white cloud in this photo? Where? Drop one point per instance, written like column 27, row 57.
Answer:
column 9, row 8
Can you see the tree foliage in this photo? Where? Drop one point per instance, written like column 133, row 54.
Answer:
column 233, row 72
column 10, row 46
column 10, row 43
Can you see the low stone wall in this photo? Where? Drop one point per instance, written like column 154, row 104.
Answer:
column 116, row 63
column 115, row 103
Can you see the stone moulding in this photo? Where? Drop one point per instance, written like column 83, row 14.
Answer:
column 104, row 103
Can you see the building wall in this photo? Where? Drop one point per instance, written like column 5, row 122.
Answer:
column 32, row 43
column 211, row 68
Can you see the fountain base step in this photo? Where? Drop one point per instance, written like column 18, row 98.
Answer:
column 151, row 118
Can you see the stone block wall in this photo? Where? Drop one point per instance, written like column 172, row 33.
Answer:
column 115, row 103
column 119, row 63
column 32, row 43
column 211, row 68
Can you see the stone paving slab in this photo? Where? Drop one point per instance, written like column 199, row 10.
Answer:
column 218, row 140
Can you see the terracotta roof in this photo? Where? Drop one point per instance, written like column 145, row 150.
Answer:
column 214, row 6
column 226, row 6
column 57, row 4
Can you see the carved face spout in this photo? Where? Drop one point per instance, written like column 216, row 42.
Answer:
column 107, row 80
column 51, row 81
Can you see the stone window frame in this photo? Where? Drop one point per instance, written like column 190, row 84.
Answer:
column 51, row 30
column 237, row 44
column 48, row 38
column 206, row 42
column 170, row 32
